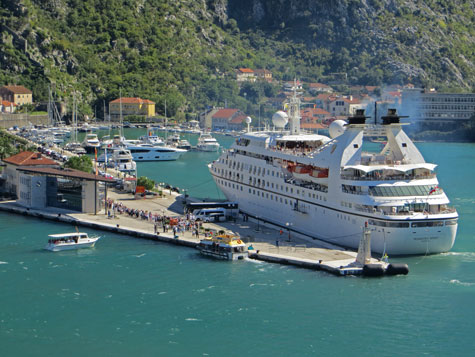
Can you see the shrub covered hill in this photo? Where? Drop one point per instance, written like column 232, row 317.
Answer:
column 185, row 51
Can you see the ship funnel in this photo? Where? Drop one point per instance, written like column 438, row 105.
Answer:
column 392, row 117
column 358, row 118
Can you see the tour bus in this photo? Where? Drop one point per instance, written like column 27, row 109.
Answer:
column 210, row 214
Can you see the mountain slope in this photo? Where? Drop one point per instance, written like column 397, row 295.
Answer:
column 184, row 51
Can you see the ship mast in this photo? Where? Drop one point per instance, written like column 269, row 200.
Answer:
column 294, row 112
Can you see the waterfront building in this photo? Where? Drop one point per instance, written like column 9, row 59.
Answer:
column 44, row 187
column 17, row 95
column 344, row 105
column 131, row 106
column 432, row 107
column 23, row 159
column 227, row 119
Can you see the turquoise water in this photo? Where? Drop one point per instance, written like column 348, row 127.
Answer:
column 130, row 296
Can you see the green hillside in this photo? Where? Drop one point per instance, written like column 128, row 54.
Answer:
column 185, row 51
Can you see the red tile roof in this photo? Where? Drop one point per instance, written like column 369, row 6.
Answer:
column 28, row 158
column 225, row 113
column 18, row 89
column 238, row 120
column 245, row 70
column 7, row 103
column 318, row 85
column 312, row 126
column 132, row 101
column 315, row 111
column 66, row 173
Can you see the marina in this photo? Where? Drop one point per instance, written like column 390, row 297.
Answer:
column 174, row 284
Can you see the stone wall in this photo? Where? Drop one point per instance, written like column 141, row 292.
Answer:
column 20, row 120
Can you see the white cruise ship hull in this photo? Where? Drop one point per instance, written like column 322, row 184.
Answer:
column 320, row 221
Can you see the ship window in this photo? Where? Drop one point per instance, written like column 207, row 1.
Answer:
column 404, row 145
column 452, row 222
column 355, row 146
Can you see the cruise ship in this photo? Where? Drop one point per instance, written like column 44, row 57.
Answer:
column 327, row 188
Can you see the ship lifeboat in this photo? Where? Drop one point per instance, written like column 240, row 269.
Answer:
column 301, row 172
column 318, row 175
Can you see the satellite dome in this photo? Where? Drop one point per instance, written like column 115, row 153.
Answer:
column 248, row 120
column 337, row 128
column 280, row 119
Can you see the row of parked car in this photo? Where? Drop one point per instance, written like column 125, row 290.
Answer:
column 52, row 154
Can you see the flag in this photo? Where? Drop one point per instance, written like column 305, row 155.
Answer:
column 433, row 189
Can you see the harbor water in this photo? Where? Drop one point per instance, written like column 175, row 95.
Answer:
column 131, row 296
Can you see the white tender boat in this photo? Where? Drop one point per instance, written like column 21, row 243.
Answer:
column 223, row 246
column 68, row 241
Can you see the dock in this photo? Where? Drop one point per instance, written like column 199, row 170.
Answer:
column 265, row 242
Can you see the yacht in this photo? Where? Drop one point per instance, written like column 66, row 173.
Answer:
column 118, row 158
column 327, row 188
column 69, row 241
column 150, row 152
column 207, row 143
column 91, row 143
column 176, row 141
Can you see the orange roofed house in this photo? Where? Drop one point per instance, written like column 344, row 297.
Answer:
column 227, row 119
column 23, row 159
column 131, row 106
column 245, row 74
column 18, row 95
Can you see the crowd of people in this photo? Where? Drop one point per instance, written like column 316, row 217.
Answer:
column 178, row 224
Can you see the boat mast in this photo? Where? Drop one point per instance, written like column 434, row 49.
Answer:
column 121, row 125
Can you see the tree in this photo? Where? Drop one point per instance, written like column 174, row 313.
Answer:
column 81, row 163
column 144, row 181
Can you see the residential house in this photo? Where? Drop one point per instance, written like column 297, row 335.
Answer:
column 344, row 106
column 316, row 88
column 131, row 106
column 292, row 85
column 18, row 95
column 245, row 74
column 313, row 115
column 206, row 117
column 23, row 159
column 227, row 120
column 7, row 106
column 263, row 75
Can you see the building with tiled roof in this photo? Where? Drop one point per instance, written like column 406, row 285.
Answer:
column 344, row 106
column 313, row 127
column 263, row 74
column 245, row 75
column 319, row 88
column 227, row 119
column 7, row 106
column 313, row 115
column 23, row 159
column 18, row 95
column 131, row 106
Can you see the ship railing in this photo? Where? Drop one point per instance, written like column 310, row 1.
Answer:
column 388, row 178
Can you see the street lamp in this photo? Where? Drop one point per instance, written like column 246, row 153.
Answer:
column 288, row 228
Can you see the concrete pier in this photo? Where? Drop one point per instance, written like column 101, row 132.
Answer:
column 267, row 243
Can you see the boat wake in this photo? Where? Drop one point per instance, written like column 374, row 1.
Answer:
column 467, row 256
column 3, row 262
column 458, row 282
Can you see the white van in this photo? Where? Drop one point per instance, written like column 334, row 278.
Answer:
column 209, row 214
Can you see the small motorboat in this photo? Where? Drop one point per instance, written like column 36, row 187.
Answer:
column 68, row 241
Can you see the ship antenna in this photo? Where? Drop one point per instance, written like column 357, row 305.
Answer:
column 375, row 111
